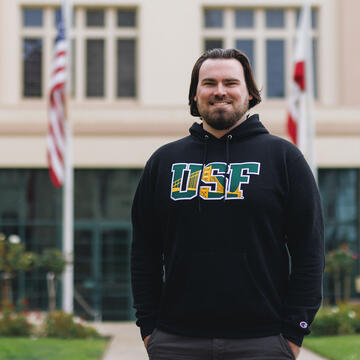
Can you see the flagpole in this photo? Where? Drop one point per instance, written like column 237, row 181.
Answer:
column 309, row 76
column 68, row 188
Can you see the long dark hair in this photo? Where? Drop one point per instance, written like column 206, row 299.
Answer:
column 223, row 54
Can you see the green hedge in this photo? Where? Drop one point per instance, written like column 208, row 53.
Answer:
column 337, row 320
column 56, row 324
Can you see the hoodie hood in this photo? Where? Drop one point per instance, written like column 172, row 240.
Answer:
column 250, row 127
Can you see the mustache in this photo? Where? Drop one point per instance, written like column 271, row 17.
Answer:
column 220, row 98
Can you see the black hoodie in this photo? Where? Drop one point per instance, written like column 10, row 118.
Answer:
column 239, row 254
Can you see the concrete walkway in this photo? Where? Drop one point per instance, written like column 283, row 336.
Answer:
column 126, row 343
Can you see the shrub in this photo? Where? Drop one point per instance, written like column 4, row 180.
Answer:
column 338, row 320
column 62, row 325
column 12, row 324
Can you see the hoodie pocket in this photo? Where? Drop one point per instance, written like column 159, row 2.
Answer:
column 216, row 288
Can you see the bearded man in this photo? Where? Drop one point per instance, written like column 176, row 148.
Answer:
column 228, row 251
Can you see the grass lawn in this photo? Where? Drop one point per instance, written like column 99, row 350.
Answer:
column 54, row 349
column 335, row 347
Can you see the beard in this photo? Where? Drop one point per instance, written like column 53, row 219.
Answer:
column 221, row 119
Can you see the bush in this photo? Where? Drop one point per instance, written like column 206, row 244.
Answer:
column 12, row 324
column 62, row 325
column 338, row 320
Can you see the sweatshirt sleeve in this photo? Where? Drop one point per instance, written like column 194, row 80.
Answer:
column 305, row 239
column 146, row 255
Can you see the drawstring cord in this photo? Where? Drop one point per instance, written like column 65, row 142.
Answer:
column 206, row 138
column 228, row 139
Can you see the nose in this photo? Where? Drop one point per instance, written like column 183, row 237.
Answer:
column 220, row 90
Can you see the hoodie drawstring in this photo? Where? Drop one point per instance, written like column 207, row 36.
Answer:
column 228, row 139
column 206, row 138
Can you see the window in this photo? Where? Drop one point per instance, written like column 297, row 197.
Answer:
column 120, row 81
column 99, row 34
column 95, row 18
column 126, row 68
column 126, row 18
column 267, row 37
column 213, row 18
column 32, row 17
column 247, row 46
column 213, row 43
column 340, row 189
column 95, row 67
column 275, row 19
column 32, row 65
column 244, row 18
column 275, row 68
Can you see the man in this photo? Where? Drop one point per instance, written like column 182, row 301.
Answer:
column 227, row 253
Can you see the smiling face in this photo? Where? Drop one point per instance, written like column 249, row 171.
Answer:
column 222, row 96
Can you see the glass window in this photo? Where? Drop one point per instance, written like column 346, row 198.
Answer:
column 247, row 46
column 28, row 195
column 95, row 79
column 38, row 238
column 126, row 18
column 40, row 196
column 275, row 68
column 85, row 194
column 115, row 254
column 32, row 67
column 244, row 18
column 116, row 192
column 84, row 255
column 11, row 198
column 214, row 18
column 338, row 193
column 95, row 17
column 126, row 68
column 213, row 44
column 32, row 17
column 275, row 19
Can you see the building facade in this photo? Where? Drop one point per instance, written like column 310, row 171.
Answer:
column 132, row 62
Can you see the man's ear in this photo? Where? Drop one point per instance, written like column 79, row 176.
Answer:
column 195, row 98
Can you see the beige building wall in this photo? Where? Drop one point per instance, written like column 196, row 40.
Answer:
column 119, row 133
column 349, row 53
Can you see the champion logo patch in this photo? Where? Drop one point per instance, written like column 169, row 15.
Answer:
column 304, row 324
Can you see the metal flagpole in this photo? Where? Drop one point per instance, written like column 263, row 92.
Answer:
column 309, row 78
column 68, row 211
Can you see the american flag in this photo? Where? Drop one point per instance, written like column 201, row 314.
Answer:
column 56, row 140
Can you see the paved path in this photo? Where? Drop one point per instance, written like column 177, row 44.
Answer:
column 126, row 343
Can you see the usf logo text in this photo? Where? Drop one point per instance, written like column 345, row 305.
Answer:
column 216, row 182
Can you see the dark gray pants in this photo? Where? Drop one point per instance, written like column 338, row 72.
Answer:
column 166, row 346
